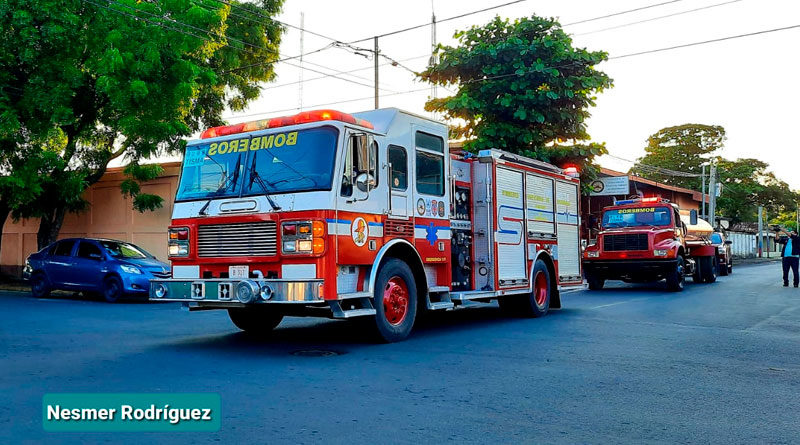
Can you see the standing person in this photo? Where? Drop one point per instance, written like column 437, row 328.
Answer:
column 790, row 255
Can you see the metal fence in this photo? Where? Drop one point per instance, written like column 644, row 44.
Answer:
column 744, row 245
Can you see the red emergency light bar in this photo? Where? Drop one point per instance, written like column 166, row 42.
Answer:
column 275, row 122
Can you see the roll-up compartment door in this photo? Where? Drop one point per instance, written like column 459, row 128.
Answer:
column 539, row 210
column 569, row 249
column 510, row 234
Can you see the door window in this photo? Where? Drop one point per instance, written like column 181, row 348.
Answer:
column 361, row 159
column 63, row 248
column 430, row 164
column 89, row 250
column 398, row 159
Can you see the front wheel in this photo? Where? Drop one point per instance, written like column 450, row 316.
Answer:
column 40, row 287
column 722, row 269
column 395, row 301
column 676, row 279
column 112, row 289
column 255, row 321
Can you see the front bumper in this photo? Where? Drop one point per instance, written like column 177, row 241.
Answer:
column 636, row 268
column 223, row 292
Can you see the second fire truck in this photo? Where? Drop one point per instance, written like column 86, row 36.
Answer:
column 365, row 215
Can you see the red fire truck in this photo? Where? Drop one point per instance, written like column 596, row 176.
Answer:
column 649, row 239
column 365, row 215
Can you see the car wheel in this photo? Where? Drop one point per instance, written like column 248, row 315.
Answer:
column 40, row 287
column 256, row 321
column 730, row 266
column 395, row 301
column 112, row 289
column 676, row 279
column 722, row 269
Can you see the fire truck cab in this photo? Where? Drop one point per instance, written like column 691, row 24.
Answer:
column 650, row 239
column 364, row 215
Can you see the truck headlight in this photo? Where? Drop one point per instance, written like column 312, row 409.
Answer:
column 592, row 254
column 303, row 237
column 660, row 252
column 178, row 241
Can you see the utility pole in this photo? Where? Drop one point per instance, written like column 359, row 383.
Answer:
column 712, row 191
column 760, row 239
column 302, row 33
column 375, row 57
column 433, row 60
column 703, row 199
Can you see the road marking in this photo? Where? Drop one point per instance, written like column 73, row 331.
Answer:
column 618, row 303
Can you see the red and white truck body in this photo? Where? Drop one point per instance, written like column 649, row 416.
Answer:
column 370, row 214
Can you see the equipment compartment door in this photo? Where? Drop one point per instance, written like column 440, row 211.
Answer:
column 569, row 248
column 510, row 229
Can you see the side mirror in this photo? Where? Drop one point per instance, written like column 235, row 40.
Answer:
column 693, row 217
column 365, row 182
column 728, row 242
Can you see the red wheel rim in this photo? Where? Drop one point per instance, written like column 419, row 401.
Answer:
column 395, row 301
column 540, row 288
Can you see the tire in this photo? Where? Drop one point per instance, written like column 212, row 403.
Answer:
column 113, row 289
column 595, row 283
column 722, row 269
column 711, row 267
column 676, row 279
column 537, row 303
column 395, row 300
column 730, row 265
column 256, row 321
column 40, row 286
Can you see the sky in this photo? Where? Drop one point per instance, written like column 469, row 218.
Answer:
column 747, row 85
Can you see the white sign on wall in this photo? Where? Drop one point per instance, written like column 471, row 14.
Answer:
column 613, row 185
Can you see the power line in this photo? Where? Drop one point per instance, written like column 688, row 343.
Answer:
column 721, row 39
column 411, row 28
column 655, row 169
column 624, row 25
column 622, row 13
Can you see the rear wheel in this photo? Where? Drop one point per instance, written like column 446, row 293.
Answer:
column 395, row 301
column 112, row 289
column 711, row 267
column 676, row 279
column 257, row 321
column 40, row 287
column 537, row 303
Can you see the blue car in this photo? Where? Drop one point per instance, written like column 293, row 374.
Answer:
column 111, row 268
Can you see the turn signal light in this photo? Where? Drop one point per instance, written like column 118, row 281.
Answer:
column 318, row 228
column 319, row 245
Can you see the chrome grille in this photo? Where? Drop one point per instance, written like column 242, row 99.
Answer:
column 628, row 241
column 239, row 239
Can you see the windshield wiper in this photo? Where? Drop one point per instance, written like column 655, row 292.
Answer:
column 226, row 184
column 255, row 177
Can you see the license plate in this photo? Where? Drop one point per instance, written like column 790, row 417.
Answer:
column 238, row 271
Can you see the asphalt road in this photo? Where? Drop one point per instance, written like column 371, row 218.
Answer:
column 717, row 363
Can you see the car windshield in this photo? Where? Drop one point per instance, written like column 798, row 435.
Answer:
column 300, row 160
column 123, row 250
column 637, row 217
column 716, row 238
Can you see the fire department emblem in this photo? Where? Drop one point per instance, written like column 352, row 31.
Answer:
column 358, row 230
column 421, row 206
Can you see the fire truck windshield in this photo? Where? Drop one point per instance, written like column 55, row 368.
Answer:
column 299, row 160
column 637, row 217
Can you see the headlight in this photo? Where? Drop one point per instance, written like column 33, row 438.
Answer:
column 592, row 253
column 303, row 237
column 660, row 252
column 160, row 290
column 178, row 241
column 127, row 268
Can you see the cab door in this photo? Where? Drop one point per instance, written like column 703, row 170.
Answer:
column 362, row 199
column 397, row 157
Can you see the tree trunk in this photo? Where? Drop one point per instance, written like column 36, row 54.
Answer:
column 5, row 210
column 50, row 225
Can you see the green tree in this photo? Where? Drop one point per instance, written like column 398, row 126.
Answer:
column 83, row 82
column 522, row 87
column 683, row 148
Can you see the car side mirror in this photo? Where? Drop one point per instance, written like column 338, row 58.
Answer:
column 693, row 217
column 95, row 256
column 728, row 242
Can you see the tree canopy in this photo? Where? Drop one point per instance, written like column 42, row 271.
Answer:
column 521, row 87
column 83, row 82
column 683, row 148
